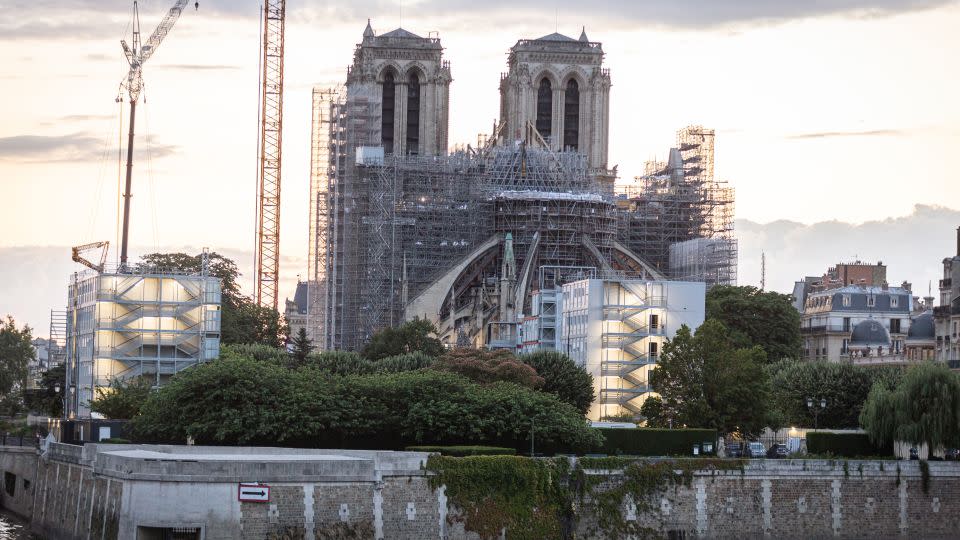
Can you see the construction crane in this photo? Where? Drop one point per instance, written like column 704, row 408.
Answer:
column 78, row 251
column 137, row 55
column 267, row 253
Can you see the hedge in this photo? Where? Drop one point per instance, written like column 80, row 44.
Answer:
column 460, row 451
column 655, row 442
column 844, row 444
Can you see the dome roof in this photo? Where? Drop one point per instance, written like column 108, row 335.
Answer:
column 869, row 333
column 922, row 327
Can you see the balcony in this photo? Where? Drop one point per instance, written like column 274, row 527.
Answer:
column 946, row 283
column 825, row 328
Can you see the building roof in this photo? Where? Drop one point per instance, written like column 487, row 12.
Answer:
column 300, row 297
column 556, row 36
column 922, row 327
column 401, row 33
column 864, row 289
column 869, row 333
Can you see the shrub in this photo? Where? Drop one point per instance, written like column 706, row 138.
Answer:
column 844, row 444
column 483, row 366
column 655, row 442
column 460, row 451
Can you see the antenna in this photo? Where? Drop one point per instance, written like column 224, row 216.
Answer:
column 763, row 271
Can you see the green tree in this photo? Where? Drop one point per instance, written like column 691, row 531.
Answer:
column 418, row 335
column 485, row 366
column 243, row 401
column 242, row 320
column 562, row 377
column 122, row 400
column 755, row 317
column 301, row 346
column 16, row 352
column 924, row 409
column 652, row 412
column 844, row 386
column 705, row 381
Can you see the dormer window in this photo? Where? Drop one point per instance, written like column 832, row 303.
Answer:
column 846, row 300
column 894, row 301
column 871, row 300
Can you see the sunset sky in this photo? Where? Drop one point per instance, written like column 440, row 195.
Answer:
column 844, row 110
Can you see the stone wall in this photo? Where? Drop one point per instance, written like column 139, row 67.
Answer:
column 102, row 492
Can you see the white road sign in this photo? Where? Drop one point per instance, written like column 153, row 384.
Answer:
column 253, row 492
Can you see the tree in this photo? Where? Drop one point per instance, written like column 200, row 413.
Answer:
column 242, row 401
column 756, row 317
column 562, row 377
column 924, row 409
column 418, row 335
column 242, row 320
column 122, row 400
column 301, row 346
column 48, row 398
column 16, row 352
column 844, row 386
column 705, row 381
column 652, row 411
column 485, row 366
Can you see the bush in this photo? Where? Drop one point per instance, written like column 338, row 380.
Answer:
column 348, row 363
column 484, row 366
column 461, row 451
column 115, row 440
column 245, row 402
column 655, row 442
column 844, row 444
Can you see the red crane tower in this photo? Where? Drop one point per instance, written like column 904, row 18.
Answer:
column 267, row 253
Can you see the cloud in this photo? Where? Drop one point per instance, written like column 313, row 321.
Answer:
column 911, row 246
column 836, row 134
column 198, row 67
column 74, row 147
column 34, row 20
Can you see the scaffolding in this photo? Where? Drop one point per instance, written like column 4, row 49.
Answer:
column 680, row 201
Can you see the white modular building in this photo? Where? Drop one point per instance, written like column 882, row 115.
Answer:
column 616, row 329
column 130, row 324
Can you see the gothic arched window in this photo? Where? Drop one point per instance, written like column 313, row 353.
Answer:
column 571, row 116
column 387, row 112
column 545, row 109
column 413, row 114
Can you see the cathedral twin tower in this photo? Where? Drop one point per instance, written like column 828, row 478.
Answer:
column 556, row 91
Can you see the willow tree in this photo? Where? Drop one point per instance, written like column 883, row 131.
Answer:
column 924, row 409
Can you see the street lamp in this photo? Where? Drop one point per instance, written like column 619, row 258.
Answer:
column 811, row 405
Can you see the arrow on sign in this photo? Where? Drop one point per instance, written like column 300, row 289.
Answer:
column 253, row 492
column 260, row 493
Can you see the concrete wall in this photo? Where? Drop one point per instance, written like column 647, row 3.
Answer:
column 110, row 492
column 18, row 479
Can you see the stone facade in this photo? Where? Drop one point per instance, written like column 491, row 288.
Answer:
column 560, row 64
column 108, row 492
column 392, row 62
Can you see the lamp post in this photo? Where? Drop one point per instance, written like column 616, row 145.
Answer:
column 812, row 406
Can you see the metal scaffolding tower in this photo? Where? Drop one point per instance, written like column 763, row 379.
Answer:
column 267, row 253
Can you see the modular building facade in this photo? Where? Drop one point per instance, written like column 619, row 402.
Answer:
column 616, row 329
column 125, row 325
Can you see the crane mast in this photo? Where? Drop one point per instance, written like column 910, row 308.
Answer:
column 136, row 57
column 267, row 252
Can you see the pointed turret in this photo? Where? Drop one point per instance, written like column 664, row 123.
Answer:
column 368, row 31
column 583, row 35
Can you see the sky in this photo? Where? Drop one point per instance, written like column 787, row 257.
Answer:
column 842, row 113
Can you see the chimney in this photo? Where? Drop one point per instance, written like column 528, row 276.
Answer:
column 958, row 241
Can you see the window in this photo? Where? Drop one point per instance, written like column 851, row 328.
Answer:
column 413, row 115
column 894, row 326
column 894, row 301
column 653, row 349
column 571, row 116
column 871, row 300
column 10, row 483
column 846, row 300
column 545, row 109
column 387, row 111
column 846, row 324
column 843, row 347
column 654, row 321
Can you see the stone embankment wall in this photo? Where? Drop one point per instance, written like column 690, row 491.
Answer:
column 18, row 479
column 110, row 492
